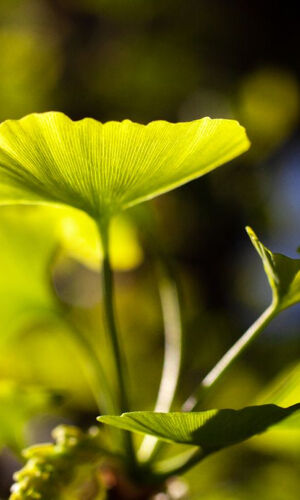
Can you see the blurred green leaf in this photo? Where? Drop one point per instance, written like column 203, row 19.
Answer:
column 17, row 406
column 284, row 438
column 212, row 430
column 285, row 390
column 35, row 338
column 30, row 237
column 103, row 168
column 283, row 274
column 27, row 245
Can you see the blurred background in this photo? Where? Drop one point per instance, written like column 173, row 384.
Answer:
column 146, row 60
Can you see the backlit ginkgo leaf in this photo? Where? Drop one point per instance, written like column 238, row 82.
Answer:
column 104, row 168
column 283, row 274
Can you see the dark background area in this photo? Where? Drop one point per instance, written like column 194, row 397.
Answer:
column 178, row 61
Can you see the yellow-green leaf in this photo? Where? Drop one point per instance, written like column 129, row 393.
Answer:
column 283, row 274
column 283, row 439
column 103, row 168
column 285, row 390
column 212, row 430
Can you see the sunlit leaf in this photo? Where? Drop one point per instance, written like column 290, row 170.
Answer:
column 103, row 168
column 211, row 430
column 283, row 274
column 285, row 390
column 284, row 438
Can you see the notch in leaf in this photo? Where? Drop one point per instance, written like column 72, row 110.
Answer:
column 105, row 168
column 283, row 274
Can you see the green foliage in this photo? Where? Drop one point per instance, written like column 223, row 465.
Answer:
column 284, row 390
column 145, row 60
column 30, row 66
column 79, row 238
column 282, row 272
column 212, row 430
column 17, row 406
column 65, row 470
column 27, row 298
column 103, row 168
column 27, row 246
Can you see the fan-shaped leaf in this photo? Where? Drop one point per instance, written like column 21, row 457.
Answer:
column 283, row 274
column 211, row 430
column 103, row 168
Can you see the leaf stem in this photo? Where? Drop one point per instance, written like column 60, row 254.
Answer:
column 192, row 403
column 109, row 313
column 170, row 306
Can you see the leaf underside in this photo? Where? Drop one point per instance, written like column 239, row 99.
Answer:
column 103, row 168
column 211, row 430
column 283, row 274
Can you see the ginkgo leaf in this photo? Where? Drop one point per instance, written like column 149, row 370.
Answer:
column 283, row 274
column 212, row 430
column 103, row 168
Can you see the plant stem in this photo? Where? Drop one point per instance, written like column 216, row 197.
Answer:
column 118, row 356
column 172, row 358
column 192, row 403
column 185, row 461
